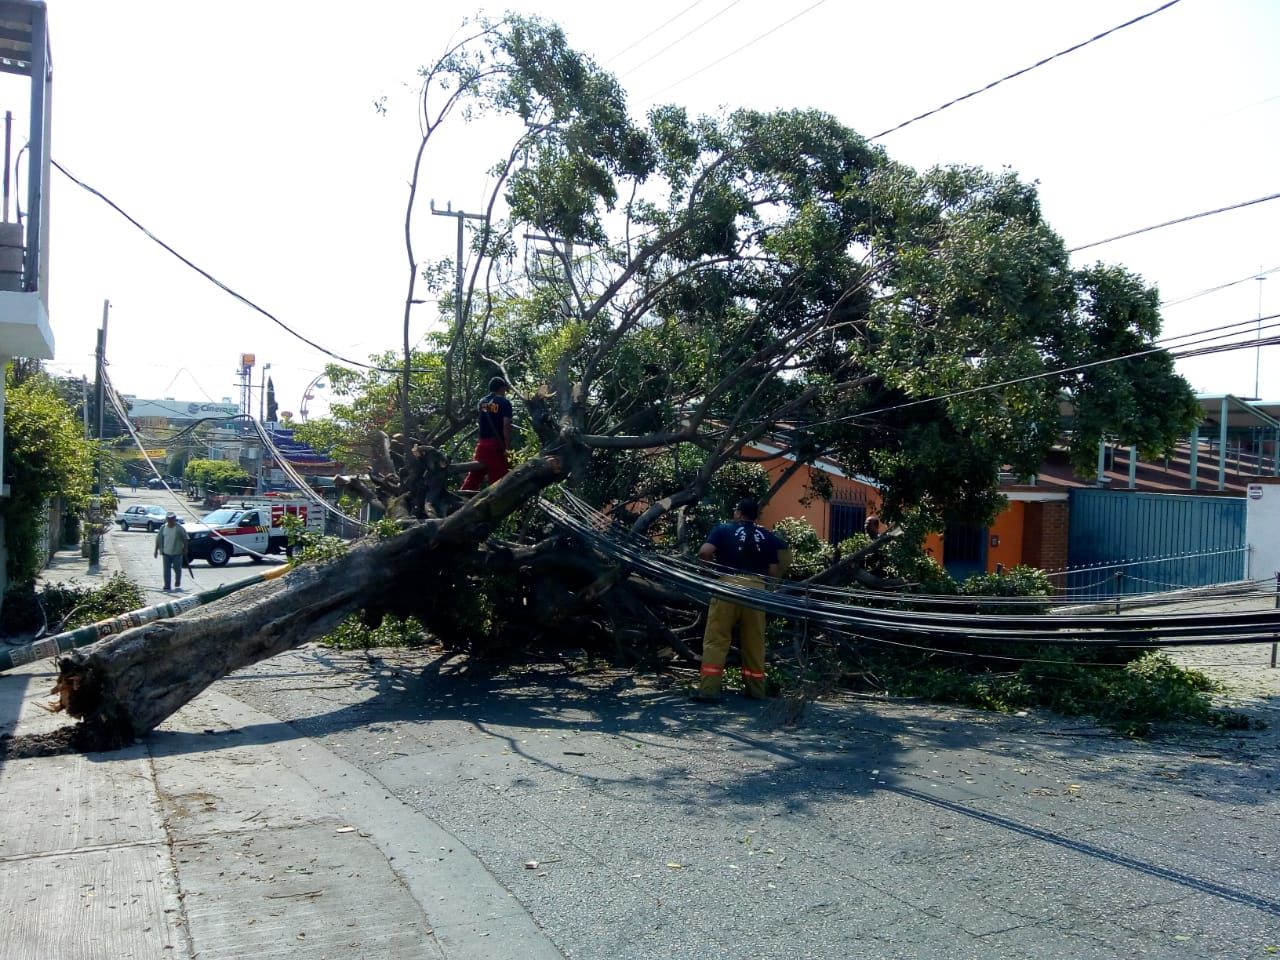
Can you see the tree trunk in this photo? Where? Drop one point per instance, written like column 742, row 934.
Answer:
column 128, row 684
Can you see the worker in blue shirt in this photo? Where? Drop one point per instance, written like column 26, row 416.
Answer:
column 750, row 552
column 494, row 420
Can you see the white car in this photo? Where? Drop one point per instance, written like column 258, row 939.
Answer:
column 142, row 515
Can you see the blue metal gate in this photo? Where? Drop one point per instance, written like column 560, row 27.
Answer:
column 1122, row 542
column 964, row 550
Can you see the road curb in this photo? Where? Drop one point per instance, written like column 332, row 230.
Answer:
column 473, row 916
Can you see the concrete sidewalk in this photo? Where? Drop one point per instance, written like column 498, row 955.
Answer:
column 221, row 837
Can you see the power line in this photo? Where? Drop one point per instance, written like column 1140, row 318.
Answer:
column 1222, row 286
column 736, row 51
column 215, row 281
column 1180, row 353
column 670, row 20
column 1169, row 223
column 1018, row 73
column 683, row 37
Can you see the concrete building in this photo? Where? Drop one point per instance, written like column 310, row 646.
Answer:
column 24, row 241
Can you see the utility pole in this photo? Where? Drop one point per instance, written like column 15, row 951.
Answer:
column 1257, row 361
column 95, row 504
column 462, row 217
column 98, row 392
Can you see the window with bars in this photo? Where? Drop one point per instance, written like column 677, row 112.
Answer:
column 846, row 519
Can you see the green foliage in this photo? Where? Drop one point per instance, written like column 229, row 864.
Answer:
column 809, row 553
column 46, row 456
column 762, row 275
column 1129, row 697
column 1018, row 581
column 385, row 528
column 729, row 484
column 366, row 400
column 119, row 594
column 78, row 606
column 224, row 476
column 764, row 272
column 309, row 547
column 353, row 634
column 1140, row 402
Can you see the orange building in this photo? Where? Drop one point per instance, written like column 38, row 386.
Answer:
column 852, row 498
column 1031, row 530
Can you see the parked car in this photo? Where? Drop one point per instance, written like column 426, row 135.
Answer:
column 142, row 515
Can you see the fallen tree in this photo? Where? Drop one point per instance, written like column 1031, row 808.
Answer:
column 126, row 685
column 701, row 288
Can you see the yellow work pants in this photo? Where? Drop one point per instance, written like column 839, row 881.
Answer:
column 721, row 617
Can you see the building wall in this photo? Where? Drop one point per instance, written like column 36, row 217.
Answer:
column 1262, row 524
column 1031, row 532
column 1055, row 523
column 1005, row 537
column 787, row 501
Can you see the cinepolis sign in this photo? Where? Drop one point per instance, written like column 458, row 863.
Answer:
column 223, row 409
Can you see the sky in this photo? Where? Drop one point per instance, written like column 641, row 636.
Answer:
column 244, row 134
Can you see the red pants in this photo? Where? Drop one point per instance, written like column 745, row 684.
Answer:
column 492, row 455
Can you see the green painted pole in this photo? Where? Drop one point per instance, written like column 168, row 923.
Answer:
column 83, row 636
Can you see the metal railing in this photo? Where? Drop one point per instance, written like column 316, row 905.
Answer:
column 1155, row 574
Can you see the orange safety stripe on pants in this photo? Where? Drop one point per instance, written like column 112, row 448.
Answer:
column 722, row 617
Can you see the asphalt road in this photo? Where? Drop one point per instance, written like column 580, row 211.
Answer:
column 629, row 823
column 133, row 549
column 632, row 824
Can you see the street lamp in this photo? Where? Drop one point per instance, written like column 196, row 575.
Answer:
column 262, row 454
column 262, row 394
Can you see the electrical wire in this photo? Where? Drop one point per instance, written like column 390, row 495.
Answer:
column 219, row 284
column 680, row 39
column 1018, row 73
column 1222, row 286
column 665, row 23
column 235, row 547
column 603, row 525
column 1044, row 374
column 1084, row 630
column 1170, row 223
column 737, row 50
column 296, row 477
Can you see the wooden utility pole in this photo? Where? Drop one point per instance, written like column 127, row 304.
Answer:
column 94, row 526
column 458, row 311
column 462, row 218
column 98, row 394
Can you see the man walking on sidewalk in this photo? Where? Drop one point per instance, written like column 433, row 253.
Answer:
column 171, row 544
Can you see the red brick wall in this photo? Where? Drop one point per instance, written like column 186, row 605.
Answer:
column 1053, row 535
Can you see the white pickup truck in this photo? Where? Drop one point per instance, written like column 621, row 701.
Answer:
column 252, row 526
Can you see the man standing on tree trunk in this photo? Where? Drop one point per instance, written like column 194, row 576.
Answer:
column 171, row 545
column 751, row 552
column 495, row 436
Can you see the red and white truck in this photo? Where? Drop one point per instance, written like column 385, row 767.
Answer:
column 252, row 526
